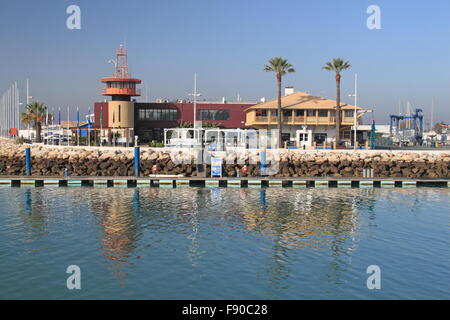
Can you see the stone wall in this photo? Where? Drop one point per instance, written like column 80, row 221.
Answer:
column 53, row 160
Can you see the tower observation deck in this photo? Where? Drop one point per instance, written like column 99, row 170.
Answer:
column 121, row 86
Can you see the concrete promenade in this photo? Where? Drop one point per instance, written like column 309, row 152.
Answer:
column 175, row 181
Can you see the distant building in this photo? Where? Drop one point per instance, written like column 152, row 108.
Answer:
column 152, row 118
column 127, row 117
column 300, row 109
column 123, row 116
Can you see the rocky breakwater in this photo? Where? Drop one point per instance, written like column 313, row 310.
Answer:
column 53, row 161
column 385, row 164
column 79, row 161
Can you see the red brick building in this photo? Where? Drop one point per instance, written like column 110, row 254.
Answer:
column 150, row 119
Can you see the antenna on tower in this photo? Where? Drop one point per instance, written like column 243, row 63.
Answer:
column 121, row 63
column 432, row 114
column 120, row 83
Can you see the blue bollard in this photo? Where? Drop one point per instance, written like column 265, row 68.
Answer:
column 263, row 163
column 137, row 162
column 262, row 199
column 28, row 161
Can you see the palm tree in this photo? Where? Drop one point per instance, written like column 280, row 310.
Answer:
column 184, row 124
column 34, row 115
column 208, row 124
column 280, row 66
column 337, row 65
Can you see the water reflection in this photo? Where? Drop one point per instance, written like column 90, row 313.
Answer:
column 117, row 216
column 32, row 212
column 276, row 236
column 291, row 219
column 308, row 220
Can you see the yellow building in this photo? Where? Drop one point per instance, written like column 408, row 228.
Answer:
column 300, row 110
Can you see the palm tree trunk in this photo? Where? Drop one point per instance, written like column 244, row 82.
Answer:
column 280, row 135
column 38, row 132
column 338, row 108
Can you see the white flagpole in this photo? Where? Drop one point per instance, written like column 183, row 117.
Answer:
column 13, row 106
column 78, row 127
column 28, row 94
column 8, row 114
column 89, row 127
column 101, row 125
column 18, row 108
column 59, row 125
column 68, row 127
column 356, row 102
column 46, row 123
column 53, row 123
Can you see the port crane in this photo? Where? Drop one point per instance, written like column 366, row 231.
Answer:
column 417, row 118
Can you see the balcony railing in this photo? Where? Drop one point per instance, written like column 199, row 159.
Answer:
column 261, row 119
column 299, row 120
column 348, row 120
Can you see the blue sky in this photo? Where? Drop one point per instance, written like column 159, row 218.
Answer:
column 227, row 43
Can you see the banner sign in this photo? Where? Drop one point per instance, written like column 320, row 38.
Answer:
column 216, row 167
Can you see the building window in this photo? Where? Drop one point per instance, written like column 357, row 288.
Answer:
column 303, row 136
column 323, row 113
column 346, row 135
column 348, row 113
column 158, row 114
column 214, row 114
column 299, row 113
column 286, row 136
column 119, row 112
column 141, row 114
column 261, row 113
column 320, row 138
column 287, row 113
column 311, row 113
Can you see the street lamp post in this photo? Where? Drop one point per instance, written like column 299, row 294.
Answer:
column 355, row 95
column 195, row 95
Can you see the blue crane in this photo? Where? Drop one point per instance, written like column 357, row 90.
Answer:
column 417, row 118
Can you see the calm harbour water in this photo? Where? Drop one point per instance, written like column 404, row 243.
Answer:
column 197, row 243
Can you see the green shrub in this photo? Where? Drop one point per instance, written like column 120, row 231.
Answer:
column 156, row 144
column 20, row 140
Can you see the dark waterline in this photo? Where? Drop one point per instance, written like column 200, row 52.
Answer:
column 196, row 243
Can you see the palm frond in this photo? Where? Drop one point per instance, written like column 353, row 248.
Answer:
column 279, row 66
column 337, row 65
column 34, row 113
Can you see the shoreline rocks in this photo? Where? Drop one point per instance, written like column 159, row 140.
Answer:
column 53, row 161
